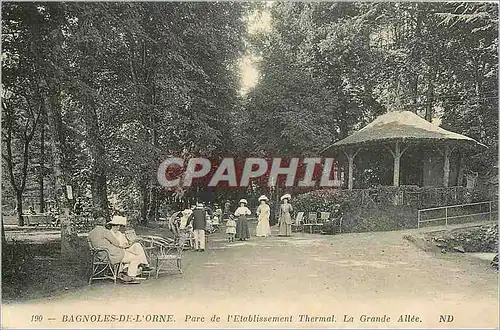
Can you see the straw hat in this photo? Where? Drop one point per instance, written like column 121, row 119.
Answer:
column 263, row 198
column 118, row 220
column 243, row 201
column 286, row 196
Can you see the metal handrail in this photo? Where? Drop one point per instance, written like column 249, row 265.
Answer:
column 450, row 206
column 419, row 220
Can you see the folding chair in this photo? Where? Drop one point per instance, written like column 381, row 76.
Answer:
column 298, row 221
column 102, row 268
column 311, row 221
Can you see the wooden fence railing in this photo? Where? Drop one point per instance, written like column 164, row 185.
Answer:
column 461, row 214
column 418, row 197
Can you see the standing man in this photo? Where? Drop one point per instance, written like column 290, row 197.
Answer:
column 199, row 221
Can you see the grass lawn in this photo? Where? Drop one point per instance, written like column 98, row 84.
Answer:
column 37, row 270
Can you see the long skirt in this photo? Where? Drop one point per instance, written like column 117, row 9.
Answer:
column 263, row 228
column 242, row 231
column 285, row 225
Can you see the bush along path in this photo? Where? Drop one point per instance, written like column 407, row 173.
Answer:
column 478, row 239
column 474, row 239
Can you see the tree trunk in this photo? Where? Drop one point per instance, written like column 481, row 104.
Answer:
column 56, row 148
column 152, row 209
column 430, row 101
column 19, row 208
column 416, row 58
column 68, row 236
column 145, row 203
column 42, row 166
column 97, row 156
column 4, row 240
column 153, row 204
column 28, row 134
column 429, row 109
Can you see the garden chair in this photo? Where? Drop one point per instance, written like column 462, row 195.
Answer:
column 298, row 221
column 166, row 253
column 188, row 236
column 102, row 268
column 317, row 225
column 147, row 242
column 323, row 219
column 174, row 226
column 311, row 221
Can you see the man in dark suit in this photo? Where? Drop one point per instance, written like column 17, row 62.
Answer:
column 199, row 221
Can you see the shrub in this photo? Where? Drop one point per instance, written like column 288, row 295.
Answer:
column 357, row 215
column 382, row 208
column 477, row 239
column 321, row 200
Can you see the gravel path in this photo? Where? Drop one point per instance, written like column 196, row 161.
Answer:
column 359, row 275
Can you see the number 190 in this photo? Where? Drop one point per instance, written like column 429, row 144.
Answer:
column 36, row 318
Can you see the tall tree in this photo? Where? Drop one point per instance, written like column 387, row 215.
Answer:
column 19, row 125
column 21, row 103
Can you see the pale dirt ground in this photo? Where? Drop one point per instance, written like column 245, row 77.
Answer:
column 355, row 274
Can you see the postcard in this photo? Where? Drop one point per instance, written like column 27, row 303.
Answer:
column 249, row 164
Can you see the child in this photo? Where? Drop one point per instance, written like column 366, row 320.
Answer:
column 231, row 228
column 217, row 216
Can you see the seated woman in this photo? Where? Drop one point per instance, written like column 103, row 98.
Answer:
column 134, row 254
column 102, row 238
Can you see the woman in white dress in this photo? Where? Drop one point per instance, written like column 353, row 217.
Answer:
column 242, row 231
column 263, row 212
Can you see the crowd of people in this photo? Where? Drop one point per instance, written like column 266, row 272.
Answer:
column 202, row 221
column 196, row 221
column 237, row 222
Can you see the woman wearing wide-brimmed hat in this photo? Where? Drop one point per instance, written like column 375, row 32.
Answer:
column 242, row 231
column 285, row 218
column 263, row 211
